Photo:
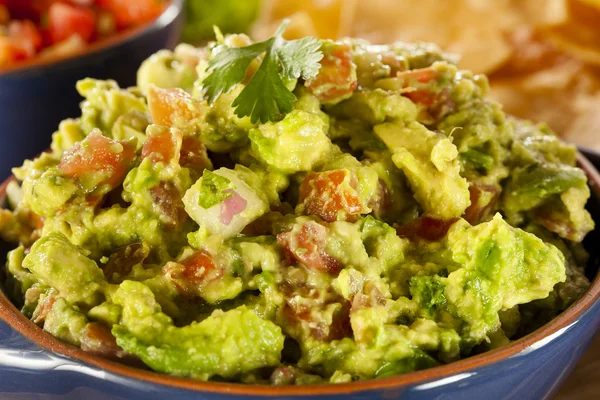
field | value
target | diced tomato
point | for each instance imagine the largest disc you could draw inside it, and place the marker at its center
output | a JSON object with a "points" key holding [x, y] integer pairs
{"points": [[195, 270], [132, 12], [300, 316], [422, 75], [421, 96], [27, 33], [336, 79], [307, 246], [200, 267], [98, 159], [331, 195], [124, 259], [371, 297], [97, 339], [437, 101], [380, 204], [563, 227], [43, 309], [65, 20], [35, 221], [427, 228], [168, 201], [395, 62], [483, 200], [4, 14], [172, 107], [194, 155], [556, 218], [12, 50], [162, 144], [416, 79]]}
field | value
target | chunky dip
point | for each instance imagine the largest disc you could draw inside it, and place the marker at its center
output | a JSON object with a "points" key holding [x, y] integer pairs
{"points": [[296, 212], [56, 28]]}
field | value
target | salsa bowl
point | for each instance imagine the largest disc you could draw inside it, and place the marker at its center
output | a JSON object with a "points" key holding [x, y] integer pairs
{"points": [[36, 95], [32, 362]]}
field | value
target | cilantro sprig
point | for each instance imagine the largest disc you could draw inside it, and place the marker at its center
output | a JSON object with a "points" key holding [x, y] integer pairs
{"points": [[265, 97]]}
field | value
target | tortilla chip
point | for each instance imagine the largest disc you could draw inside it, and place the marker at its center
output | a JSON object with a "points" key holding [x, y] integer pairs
{"points": [[531, 52], [564, 95], [321, 16], [580, 36]]}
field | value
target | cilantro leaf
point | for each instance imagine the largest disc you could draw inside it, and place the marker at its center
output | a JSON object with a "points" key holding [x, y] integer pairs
{"points": [[265, 97], [229, 67], [214, 189], [300, 58]]}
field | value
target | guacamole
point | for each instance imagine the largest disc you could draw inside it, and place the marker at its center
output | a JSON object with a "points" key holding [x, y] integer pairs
{"points": [[393, 220]]}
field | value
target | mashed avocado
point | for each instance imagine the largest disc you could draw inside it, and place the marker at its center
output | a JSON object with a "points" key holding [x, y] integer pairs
{"points": [[394, 220]]}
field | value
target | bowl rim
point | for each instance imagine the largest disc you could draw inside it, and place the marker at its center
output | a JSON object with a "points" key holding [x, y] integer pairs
{"points": [[13, 317], [169, 14]]}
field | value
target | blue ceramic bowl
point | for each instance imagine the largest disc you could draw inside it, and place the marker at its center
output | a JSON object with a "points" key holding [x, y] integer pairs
{"points": [[36, 96], [34, 364]]}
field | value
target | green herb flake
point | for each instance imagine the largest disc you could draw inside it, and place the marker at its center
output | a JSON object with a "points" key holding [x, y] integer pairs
{"points": [[214, 189]]}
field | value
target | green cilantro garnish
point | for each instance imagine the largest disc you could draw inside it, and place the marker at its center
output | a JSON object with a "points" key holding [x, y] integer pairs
{"points": [[265, 97], [213, 189]]}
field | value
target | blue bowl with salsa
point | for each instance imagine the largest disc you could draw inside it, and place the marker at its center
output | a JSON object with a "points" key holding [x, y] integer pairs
{"points": [[36, 95], [33, 364]]}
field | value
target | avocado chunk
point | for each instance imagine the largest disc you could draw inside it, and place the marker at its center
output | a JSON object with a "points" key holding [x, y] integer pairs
{"points": [[225, 344]]}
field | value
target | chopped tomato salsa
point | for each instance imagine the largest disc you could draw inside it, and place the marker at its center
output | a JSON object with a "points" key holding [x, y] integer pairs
{"points": [[32, 28]]}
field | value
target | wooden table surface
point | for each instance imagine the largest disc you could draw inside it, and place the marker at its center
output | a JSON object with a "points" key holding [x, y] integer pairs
{"points": [[584, 382]]}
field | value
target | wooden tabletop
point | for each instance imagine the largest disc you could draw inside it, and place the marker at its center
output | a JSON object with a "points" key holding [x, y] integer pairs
{"points": [[584, 382]]}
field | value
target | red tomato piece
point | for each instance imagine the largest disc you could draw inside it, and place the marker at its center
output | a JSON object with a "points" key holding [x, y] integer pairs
{"points": [[381, 203], [12, 50], [65, 20], [307, 246], [421, 96], [97, 339], [27, 34], [98, 160], [395, 62], [427, 228], [422, 75], [167, 199], [200, 267], [418, 79], [131, 13], [43, 309], [163, 144], [172, 107], [331, 195], [196, 270], [4, 13], [422, 82], [193, 155], [320, 329], [124, 259], [561, 226], [483, 200], [336, 79]]}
